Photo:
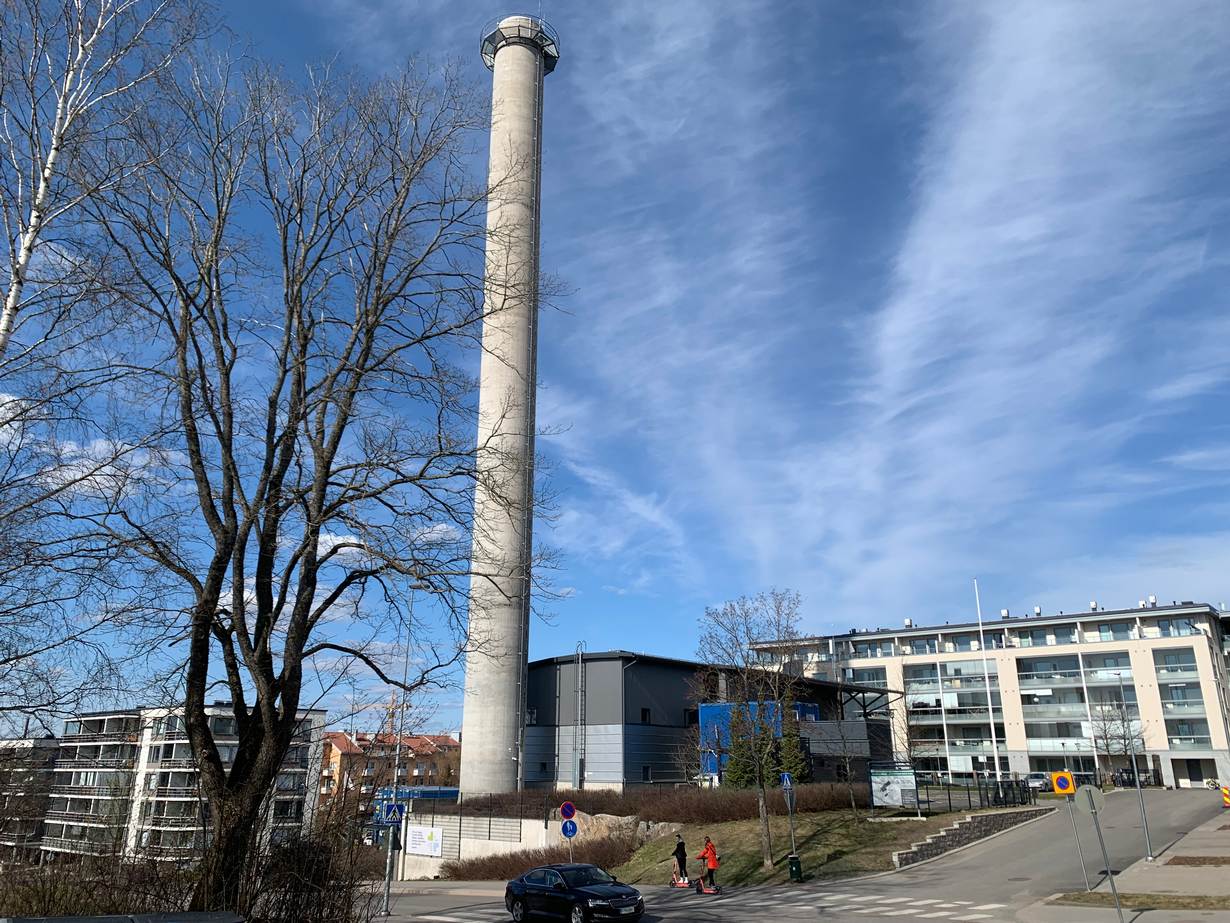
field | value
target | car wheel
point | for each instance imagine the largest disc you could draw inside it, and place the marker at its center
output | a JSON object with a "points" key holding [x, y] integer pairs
{"points": [[577, 915], [517, 910]]}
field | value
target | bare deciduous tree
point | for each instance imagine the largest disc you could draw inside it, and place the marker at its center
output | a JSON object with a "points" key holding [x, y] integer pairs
{"points": [[301, 265], [726, 635]]}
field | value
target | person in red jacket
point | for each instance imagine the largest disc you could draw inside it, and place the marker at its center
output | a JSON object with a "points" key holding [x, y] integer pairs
{"points": [[709, 857]]}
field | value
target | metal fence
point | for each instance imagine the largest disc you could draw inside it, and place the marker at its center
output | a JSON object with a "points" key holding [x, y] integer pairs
{"points": [[975, 795]]}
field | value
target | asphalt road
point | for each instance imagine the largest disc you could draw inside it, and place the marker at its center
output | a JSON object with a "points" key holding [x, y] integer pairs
{"points": [[988, 882]]}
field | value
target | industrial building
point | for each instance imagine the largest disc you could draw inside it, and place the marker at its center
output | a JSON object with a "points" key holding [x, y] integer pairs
{"points": [[640, 717], [124, 782], [1079, 690]]}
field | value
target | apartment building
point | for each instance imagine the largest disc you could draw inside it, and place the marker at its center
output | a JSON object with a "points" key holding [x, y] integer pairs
{"points": [[25, 784], [1081, 690], [358, 766], [124, 782]]}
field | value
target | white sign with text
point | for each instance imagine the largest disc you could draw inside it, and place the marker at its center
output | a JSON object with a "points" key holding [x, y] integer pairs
{"points": [[425, 841]]}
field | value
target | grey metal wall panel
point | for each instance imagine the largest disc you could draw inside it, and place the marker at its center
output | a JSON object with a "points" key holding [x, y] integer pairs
{"points": [[660, 748], [665, 690], [540, 754]]}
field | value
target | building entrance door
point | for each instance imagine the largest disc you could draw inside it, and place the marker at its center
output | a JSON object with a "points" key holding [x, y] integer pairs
{"points": [[1195, 772]]}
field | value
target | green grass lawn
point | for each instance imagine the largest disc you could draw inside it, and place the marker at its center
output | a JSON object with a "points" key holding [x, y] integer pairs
{"points": [[832, 844], [1138, 902]]}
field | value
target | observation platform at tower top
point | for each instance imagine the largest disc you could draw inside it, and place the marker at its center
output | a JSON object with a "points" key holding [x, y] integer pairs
{"points": [[520, 30]]}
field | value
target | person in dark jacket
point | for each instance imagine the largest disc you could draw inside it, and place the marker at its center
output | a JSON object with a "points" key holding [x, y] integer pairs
{"points": [[681, 859]]}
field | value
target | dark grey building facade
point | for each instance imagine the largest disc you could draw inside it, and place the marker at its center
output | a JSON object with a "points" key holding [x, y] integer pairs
{"points": [[615, 719]]}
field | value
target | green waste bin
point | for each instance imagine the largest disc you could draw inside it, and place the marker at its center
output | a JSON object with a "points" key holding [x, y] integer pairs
{"points": [[796, 867]]}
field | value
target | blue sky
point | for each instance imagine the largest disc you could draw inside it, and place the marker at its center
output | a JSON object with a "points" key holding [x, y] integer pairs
{"points": [[868, 299]]}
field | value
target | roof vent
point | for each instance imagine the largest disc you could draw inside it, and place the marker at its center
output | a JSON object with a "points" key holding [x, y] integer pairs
{"points": [[1003, 613], [1152, 601], [1093, 605], [909, 623], [1143, 604], [1037, 610]]}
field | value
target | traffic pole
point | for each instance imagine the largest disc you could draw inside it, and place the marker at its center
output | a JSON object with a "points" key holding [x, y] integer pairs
{"points": [[1110, 873], [1076, 835]]}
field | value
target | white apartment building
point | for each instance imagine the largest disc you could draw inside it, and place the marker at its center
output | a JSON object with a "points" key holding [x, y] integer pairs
{"points": [[1047, 692], [125, 782]]}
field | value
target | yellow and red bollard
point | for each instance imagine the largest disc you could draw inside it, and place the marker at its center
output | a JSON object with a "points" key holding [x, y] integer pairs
{"points": [[1225, 796]]}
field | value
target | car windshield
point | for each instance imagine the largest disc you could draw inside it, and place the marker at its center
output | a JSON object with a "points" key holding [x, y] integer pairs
{"points": [[590, 875]]}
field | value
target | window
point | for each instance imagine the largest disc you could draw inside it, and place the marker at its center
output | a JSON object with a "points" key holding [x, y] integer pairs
{"points": [[553, 879], [646, 773], [691, 717], [536, 877], [646, 716]]}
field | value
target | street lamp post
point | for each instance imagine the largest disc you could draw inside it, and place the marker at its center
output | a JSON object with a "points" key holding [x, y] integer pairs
{"points": [[1144, 819], [401, 722]]}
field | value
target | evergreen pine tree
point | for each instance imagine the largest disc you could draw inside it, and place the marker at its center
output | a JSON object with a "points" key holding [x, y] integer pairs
{"points": [[740, 769], [791, 757]]}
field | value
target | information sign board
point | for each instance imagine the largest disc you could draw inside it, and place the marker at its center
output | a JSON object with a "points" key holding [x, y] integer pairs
{"points": [[893, 788], [425, 841]]}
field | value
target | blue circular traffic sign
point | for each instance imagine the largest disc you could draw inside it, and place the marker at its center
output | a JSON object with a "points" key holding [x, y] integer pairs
{"points": [[567, 810], [569, 828]]}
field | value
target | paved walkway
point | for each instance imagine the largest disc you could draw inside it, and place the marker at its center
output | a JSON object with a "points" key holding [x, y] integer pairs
{"points": [[1211, 838]]}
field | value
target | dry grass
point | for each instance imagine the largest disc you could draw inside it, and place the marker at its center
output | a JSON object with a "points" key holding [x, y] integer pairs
{"points": [[1199, 860], [832, 844], [1139, 902]]}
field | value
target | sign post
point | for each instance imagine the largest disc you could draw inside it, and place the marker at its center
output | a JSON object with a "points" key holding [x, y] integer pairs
{"points": [[1064, 784], [569, 830], [1090, 800]]}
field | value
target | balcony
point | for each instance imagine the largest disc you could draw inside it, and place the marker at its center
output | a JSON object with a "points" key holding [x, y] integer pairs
{"points": [[1178, 708], [174, 764], [84, 847], [110, 737], [171, 852], [1055, 710], [922, 685], [1191, 743], [82, 817], [155, 822], [1052, 678], [125, 763], [1107, 675], [1181, 673], [175, 791], [1058, 745], [963, 745], [109, 791]]}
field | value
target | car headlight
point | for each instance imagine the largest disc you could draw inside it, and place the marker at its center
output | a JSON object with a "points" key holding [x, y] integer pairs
{"points": [[596, 902]]}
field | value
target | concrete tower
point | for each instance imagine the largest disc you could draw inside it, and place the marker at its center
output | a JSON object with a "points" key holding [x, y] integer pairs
{"points": [[521, 51]]}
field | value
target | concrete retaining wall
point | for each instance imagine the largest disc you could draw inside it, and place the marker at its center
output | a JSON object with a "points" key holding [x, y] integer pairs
{"points": [[970, 829]]}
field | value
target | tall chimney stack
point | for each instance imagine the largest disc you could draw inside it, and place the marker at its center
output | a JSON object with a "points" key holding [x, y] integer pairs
{"points": [[520, 51]]}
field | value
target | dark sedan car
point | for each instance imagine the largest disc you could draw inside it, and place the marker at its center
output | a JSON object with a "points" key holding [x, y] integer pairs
{"points": [[578, 893]]}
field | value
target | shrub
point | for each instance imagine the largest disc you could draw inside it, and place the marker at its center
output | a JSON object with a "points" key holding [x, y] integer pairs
{"points": [[657, 804], [608, 853]]}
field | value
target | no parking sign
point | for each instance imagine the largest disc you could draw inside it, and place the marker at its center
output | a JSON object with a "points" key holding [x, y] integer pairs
{"points": [[1063, 783]]}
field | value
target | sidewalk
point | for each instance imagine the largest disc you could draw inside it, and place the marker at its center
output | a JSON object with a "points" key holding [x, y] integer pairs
{"points": [[451, 888], [1161, 876]]}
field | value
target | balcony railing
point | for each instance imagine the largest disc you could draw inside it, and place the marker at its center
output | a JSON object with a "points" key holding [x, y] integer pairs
{"points": [[171, 852], [89, 763], [971, 746], [175, 791], [111, 791], [1191, 743], [156, 821], [1185, 672], [80, 846], [84, 817], [1055, 710], [1059, 745], [174, 764], [1050, 678], [121, 736], [1099, 675], [1183, 708]]}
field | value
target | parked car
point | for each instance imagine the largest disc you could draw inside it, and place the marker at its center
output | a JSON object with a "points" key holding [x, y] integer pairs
{"points": [[577, 893], [1041, 781]]}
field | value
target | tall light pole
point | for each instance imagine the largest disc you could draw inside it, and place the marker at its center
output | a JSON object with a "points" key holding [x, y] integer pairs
{"points": [[1144, 818], [401, 729], [986, 678]]}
